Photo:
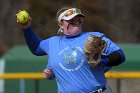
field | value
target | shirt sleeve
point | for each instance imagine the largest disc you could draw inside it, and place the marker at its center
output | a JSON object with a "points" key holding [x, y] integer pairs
{"points": [[110, 45], [44, 46]]}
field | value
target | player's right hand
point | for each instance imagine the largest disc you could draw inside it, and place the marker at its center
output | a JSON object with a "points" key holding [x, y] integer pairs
{"points": [[25, 25], [23, 19], [47, 73]]}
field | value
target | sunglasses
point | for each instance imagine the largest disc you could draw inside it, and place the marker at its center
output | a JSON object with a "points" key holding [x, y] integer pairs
{"points": [[72, 11]]}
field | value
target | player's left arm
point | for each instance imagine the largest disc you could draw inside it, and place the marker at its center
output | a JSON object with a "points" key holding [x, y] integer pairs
{"points": [[113, 54], [107, 68]]}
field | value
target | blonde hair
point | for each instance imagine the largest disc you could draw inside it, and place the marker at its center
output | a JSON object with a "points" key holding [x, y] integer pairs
{"points": [[60, 30]]}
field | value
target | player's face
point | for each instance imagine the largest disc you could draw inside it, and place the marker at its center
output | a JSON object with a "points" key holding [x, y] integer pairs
{"points": [[72, 27]]}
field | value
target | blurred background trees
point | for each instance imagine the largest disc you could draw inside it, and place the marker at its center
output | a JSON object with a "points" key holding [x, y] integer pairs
{"points": [[118, 19]]}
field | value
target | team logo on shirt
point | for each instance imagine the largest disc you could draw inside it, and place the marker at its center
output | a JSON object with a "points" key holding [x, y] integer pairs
{"points": [[71, 58]]}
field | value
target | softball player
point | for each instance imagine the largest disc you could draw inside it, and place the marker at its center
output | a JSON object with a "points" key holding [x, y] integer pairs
{"points": [[66, 59]]}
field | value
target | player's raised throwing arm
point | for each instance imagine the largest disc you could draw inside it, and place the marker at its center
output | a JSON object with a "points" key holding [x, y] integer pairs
{"points": [[32, 40]]}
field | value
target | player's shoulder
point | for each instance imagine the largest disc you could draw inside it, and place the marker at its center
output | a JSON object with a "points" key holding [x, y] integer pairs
{"points": [[51, 39], [55, 37], [94, 33]]}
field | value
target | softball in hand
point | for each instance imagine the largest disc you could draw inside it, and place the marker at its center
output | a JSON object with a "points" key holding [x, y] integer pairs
{"points": [[22, 17]]}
